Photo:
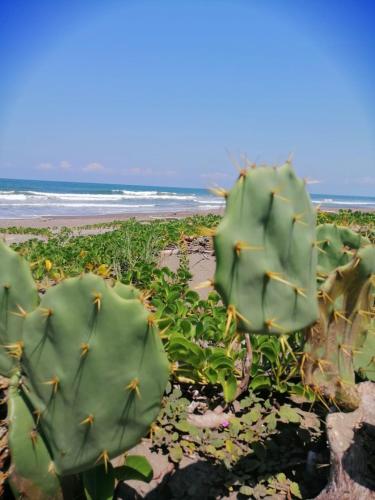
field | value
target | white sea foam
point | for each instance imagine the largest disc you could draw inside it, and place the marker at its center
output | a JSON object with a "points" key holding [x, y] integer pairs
{"points": [[79, 205], [11, 197], [125, 195], [330, 201], [209, 207], [212, 202]]}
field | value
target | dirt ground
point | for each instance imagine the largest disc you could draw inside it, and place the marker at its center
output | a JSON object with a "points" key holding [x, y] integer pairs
{"points": [[201, 262]]}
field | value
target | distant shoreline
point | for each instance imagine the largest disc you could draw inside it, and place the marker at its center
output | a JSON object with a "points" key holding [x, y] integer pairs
{"points": [[85, 220], [48, 203]]}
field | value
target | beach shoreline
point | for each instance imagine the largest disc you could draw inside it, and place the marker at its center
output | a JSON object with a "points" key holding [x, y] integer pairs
{"points": [[54, 221], [86, 220]]}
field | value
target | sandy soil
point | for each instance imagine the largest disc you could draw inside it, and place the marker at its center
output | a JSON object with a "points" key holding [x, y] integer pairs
{"points": [[201, 263]]}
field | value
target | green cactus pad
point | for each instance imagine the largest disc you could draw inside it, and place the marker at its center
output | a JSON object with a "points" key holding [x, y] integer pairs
{"points": [[96, 370], [18, 294], [32, 470], [265, 250], [364, 357], [337, 246], [345, 303], [127, 292]]}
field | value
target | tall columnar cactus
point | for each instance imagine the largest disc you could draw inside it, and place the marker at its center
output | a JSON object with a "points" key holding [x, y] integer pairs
{"points": [[265, 250], [31, 474], [345, 304], [96, 372], [18, 295], [337, 245]]}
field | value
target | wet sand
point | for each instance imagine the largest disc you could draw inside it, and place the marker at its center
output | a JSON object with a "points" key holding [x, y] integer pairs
{"points": [[85, 220]]}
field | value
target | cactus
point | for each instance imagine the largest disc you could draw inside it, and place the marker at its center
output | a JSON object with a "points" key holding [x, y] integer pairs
{"points": [[128, 292], [265, 250], [364, 356], [96, 372], [345, 301], [18, 295], [336, 247], [32, 469]]}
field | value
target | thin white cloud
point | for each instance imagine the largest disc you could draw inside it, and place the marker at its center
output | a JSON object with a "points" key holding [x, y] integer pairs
{"points": [[65, 165], [45, 167], [309, 181], [94, 167]]}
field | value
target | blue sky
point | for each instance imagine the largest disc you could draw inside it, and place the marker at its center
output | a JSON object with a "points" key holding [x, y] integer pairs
{"points": [[166, 92]]}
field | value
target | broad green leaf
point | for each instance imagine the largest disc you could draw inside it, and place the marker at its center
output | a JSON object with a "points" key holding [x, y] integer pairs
{"points": [[271, 421], [289, 414], [136, 467], [218, 360], [294, 489], [253, 416], [260, 382], [185, 326], [229, 386], [185, 427], [99, 482], [268, 351], [212, 375], [176, 453]]}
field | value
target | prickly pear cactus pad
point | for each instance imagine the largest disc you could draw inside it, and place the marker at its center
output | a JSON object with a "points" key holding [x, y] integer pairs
{"points": [[18, 295], [364, 355], [32, 470], [126, 291], [265, 250], [337, 246], [96, 370], [346, 312]]}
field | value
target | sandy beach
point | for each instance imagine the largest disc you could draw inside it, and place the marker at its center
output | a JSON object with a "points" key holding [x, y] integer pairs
{"points": [[200, 251], [85, 220]]}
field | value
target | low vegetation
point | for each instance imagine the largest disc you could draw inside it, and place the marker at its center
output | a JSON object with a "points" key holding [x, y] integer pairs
{"points": [[247, 395]]}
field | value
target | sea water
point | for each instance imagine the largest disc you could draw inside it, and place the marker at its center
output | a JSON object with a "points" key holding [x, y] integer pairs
{"points": [[33, 198]]}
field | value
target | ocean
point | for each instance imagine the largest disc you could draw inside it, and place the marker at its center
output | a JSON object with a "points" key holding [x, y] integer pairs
{"points": [[32, 198]]}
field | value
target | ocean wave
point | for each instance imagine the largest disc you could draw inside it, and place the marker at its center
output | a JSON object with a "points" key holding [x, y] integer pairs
{"points": [[125, 195], [209, 207], [140, 193], [212, 202], [81, 205], [11, 197], [330, 201]]}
